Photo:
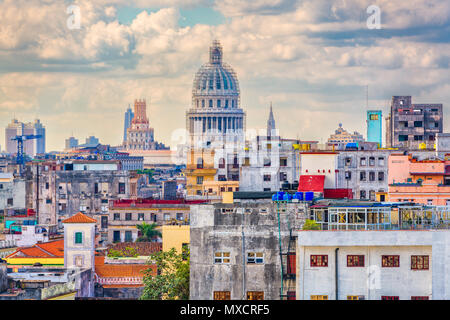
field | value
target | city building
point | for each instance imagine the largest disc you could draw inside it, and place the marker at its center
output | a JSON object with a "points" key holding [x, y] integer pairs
{"points": [[342, 137], [71, 143], [374, 126], [57, 189], [177, 237], [139, 133], [12, 191], [413, 126], [244, 250], [119, 224], [373, 265], [365, 172], [30, 147], [419, 181], [128, 117], [215, 124]]}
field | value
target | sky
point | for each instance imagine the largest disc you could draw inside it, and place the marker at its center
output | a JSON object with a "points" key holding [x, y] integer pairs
{"points": [[311, 58]]}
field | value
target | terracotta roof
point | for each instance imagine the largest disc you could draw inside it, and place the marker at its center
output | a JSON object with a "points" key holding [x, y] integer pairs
{"points": [[142, 248], [79, 218], [51, 249], [122, 270], [99, 261], [122, 285]]}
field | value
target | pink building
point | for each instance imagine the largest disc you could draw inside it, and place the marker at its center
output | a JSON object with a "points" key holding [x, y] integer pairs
{"points": [[426, 181]]}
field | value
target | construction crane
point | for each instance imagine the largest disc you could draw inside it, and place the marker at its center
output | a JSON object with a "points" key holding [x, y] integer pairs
{"points": [[20, 139]]}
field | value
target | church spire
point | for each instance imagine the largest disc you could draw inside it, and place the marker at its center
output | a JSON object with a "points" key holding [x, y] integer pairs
{"points": [[271, 122]]}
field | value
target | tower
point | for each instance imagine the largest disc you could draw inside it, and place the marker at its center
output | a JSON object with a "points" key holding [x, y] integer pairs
{"points": [[79, 242], [139, 134], [374, 126], [127, 122], [215, 124], [271, 123]]}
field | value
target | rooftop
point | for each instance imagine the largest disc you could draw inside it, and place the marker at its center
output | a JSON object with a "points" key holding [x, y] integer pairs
{"points": [[79, 218]]}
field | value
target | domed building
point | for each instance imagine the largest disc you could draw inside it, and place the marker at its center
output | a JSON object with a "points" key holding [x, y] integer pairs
{"points": [[215, 113], [215, 123]]}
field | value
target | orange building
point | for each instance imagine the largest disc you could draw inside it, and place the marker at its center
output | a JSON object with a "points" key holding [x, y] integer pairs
{"points": [[424, 181]]}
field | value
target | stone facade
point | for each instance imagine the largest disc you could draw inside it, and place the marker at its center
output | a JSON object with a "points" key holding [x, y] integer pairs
{"points": [[223, 239]]}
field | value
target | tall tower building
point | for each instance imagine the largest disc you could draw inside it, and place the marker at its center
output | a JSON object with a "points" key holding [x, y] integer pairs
{"points": [[215, 123], [374, 126], [139, 134], [271, 123], [39, 129], [127, 122]]}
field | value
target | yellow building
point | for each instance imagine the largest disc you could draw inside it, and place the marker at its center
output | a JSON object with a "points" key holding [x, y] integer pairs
{"points": [[175, 237], [217, 188], [199, 169]]}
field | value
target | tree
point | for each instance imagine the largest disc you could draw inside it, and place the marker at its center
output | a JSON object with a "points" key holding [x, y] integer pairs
{"points": [[311, 225], [171, 281], [148, 232]]}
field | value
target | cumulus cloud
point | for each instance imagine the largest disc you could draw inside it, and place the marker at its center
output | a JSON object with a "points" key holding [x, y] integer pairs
{"points": [[312, 59]]}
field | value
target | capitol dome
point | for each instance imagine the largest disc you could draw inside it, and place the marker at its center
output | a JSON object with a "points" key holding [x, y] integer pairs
{"points": [[215, 83]]}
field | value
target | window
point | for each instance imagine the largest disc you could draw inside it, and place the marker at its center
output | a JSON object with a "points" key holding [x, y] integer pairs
{"points": [[166, 216], [199, 163], [319, 297], [363, 161], [266, 162], [381, 176], [319, 260], [255, 295], [362, 194], [362, 176], [116, 236], [371, 176], [78, 237], [267, 177], [372, 161], [283, 162], [180, 216], [420, 298], [355, 260], [420, 262], [418, 138], [348, 175], [104, 222], [348, 161], [10, 201], [381, 161], [140, 217], [430, 201], [210, 103], [128, 236], [222, 257], [390, 261], [403, 137], [221, 163], [121, 188], [255, 257], [283, 176], [116, 216], [356, 298], [418, 124], [222, 295], [389, 298], [78, 261], [128, 216], [199, 180]]}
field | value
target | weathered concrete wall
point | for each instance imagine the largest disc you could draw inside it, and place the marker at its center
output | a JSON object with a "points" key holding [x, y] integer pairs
{"points": [[3, 277], [249, 227], [15, 189]]}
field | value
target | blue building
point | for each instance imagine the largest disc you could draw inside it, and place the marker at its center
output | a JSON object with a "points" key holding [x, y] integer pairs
{"points": [[374, 126], [129, 115]]}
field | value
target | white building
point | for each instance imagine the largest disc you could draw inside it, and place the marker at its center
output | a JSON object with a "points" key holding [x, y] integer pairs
{"points": [[373, 265], [320, 164]]}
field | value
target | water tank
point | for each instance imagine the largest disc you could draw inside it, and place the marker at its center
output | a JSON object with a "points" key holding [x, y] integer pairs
{"points": [[280, 195], [274, 197], [298, 196], [287, 197], [309, 196]]}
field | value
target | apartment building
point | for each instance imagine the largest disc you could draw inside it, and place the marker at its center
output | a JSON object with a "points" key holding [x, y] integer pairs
{"points": [[413, 126]]}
